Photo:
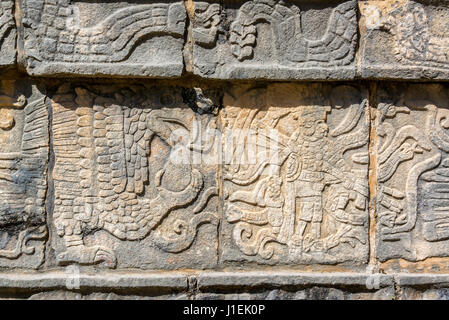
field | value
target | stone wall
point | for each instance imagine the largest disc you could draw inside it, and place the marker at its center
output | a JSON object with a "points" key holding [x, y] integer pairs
{"points": [[227, 149]]}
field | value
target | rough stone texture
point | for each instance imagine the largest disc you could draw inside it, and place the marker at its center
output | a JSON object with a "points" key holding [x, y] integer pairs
{"points": [[69, 295], [312, 293], [405, 39], [121, 195], [293, 285], [116, 38], [412, 171], [258, 279], [234, 177], [415, 287], [270, 39], [199, 286], [7, 33], [23, 167], [300, 195]]}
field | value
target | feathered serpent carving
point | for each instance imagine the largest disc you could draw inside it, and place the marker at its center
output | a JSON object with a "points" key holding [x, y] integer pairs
{"points": [[336, 46]]}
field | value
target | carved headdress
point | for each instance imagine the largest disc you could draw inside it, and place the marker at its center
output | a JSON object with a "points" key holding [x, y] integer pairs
{"points": [[312, 114]]}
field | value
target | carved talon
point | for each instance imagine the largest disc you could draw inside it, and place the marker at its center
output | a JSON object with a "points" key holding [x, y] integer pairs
{"points": [[158, 177], [21, 101], [233, 214], [87, 255]]}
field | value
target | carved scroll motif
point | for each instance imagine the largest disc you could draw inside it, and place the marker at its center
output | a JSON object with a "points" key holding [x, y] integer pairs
{"points": [[74, 37], [412, 211], [416, 41], [304, 198], [23, 185], [104, 180], [270, 39]]}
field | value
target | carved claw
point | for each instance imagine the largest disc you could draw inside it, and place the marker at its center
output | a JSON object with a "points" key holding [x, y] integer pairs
{"points": [[7, 101], [233, 214], [158, 177], [87, 256], [21, 102]]}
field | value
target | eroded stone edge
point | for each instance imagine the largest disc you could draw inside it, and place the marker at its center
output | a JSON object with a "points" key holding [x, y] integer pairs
{"points": [[59, 280], [193, 283], [181, 280]]}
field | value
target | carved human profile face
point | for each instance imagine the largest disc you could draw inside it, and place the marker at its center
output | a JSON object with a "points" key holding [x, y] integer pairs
{"points": [[315, 130], [309, 127], [321, 129]]}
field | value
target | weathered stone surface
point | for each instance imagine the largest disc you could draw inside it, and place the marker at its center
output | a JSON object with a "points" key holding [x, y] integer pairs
{"points": [[271, 39], [236, 176], [120, 281], [69, 295], [408, 293], [7, 33], [406, 39], [116, 38], [313, 293], [412, 171], [295, 175], [268, 285], [226, 285], [23, 167], [286, 279], [126, 193], [200, 285], [419, 287]]}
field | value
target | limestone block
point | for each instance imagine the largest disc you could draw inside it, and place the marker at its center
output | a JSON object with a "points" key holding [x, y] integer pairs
{"points": [[7, 33], [423, 287], [23, 167], [127, 195], [412, 171], [311, 293], [114, 38], [271, 39], [203, 285], [295, 175], [268, 285], [406, 39]]}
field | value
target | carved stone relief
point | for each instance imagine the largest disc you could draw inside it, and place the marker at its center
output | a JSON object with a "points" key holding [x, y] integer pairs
{"points": [[7, 33], [295, 175], [124, 196], [270, 157], [274, 39], [23, 168], [137, 38], [412, 172], [405, 39]]}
